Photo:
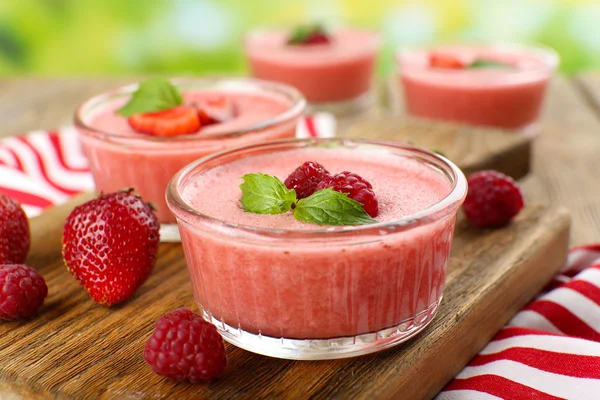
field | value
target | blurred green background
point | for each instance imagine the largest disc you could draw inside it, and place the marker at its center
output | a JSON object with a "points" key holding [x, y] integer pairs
{"points": [[118, 37]]}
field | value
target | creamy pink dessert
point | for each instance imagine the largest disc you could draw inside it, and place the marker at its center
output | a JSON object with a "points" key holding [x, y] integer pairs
{"points": [[120, 157], [277, 277], [500, 86], [337, 71]]}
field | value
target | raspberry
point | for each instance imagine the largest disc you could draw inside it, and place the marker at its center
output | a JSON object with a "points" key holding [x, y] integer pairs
{"points": [[22, 291], [358, 189], [317, 38], [185, 347], [493, 199], [305, 178]]}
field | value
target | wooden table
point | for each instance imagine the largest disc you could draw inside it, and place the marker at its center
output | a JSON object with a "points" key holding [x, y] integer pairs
{"points": [[566, 166]]}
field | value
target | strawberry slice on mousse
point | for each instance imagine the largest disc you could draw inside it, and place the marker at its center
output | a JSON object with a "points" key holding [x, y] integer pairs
{"points": [[183, 120], [439, 60], [180, 120]]}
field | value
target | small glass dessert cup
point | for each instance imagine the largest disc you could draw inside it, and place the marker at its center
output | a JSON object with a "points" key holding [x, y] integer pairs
{"points": [[289, 289], [336, 77], [121, 158], [496, 85]]}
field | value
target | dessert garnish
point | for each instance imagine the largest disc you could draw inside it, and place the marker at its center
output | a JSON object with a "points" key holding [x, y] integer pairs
{"points": [[343, 199], [186, 348], [305, 178], [22, 291], [14, 232], [110, 245], [493, 199], [309, 35], [152, 95], [437, 60], [447, 61], [483, 63], [357, 188], [215, 110], [157, 108], [175, 121]]}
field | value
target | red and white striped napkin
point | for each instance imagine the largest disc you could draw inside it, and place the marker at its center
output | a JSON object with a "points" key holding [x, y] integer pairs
{"points": [[549, 350]]}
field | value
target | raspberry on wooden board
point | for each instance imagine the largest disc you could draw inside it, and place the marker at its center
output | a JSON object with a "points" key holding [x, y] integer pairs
{"points": [[493, 199], [185, 347], [22, 291]]}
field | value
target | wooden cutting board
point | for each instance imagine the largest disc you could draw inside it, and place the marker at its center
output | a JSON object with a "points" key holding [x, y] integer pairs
{"points": [[77, 349]]}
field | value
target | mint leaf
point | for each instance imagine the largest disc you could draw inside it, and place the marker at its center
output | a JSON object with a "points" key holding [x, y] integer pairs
{"points": [[154, 94], [266, 194], [489, 64], [328, 207]]}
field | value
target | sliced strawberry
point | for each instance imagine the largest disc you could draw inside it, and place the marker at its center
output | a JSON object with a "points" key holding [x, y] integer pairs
{"points": [[215, 110], [445, 61], [206, 119], [176, 121]]}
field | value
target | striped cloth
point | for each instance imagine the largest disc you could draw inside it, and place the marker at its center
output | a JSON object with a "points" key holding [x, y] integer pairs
{"points": [[549, 350]]}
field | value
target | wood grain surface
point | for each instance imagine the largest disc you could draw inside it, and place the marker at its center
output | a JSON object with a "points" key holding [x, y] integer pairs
{"points": [[565, 161], [77, 349]]}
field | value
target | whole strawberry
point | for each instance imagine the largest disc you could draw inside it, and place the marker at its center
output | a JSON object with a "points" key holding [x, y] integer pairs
{"points": [[14, 232], [493, 199], [110, 245], [185, 347], [22, 291]]}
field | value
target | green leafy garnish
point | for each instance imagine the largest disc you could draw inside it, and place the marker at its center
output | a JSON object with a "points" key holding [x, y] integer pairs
{"points": [[489, 64], [266, 194], [303, 33], [328, 207], [154, 94]]}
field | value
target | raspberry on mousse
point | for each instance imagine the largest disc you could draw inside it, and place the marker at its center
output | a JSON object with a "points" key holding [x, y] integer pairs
{"points": [[305, 179], [357, 188]]}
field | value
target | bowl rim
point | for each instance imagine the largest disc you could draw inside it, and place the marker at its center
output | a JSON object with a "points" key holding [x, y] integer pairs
{"points": [[446, 206], [549, 57], [297, 107]]}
